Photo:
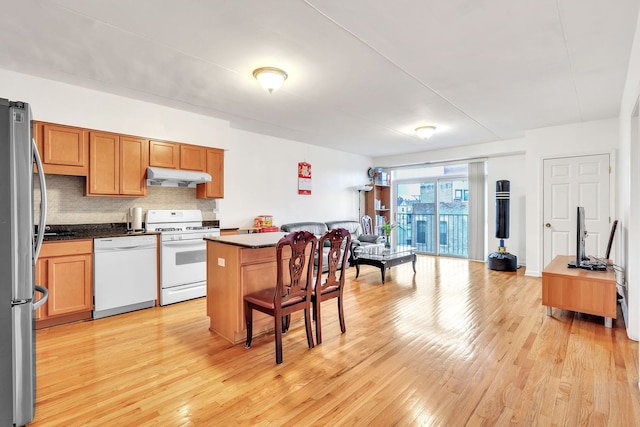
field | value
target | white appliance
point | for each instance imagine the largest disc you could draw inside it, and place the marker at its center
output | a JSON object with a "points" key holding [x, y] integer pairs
{"points": [[183, 253], [18, 255], [176, 177], [124, 274]]}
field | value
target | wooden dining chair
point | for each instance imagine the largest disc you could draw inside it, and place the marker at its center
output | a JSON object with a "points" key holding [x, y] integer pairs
{"points": [[292, 290], [331, 284]]}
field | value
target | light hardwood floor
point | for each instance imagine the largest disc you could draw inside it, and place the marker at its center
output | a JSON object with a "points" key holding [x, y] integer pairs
{"points": [[454, 345]]}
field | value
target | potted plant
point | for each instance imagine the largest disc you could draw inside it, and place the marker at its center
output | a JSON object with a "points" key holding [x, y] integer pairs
{"points": [[387, 227]]}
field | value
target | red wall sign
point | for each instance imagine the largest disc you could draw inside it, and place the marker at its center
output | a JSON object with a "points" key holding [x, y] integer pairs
{"points": [[304, 178]]}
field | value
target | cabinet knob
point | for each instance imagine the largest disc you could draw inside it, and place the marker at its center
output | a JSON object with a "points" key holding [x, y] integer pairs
{"points": [[547, 225]]}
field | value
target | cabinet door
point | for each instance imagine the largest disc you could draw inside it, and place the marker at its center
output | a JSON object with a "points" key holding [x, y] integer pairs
{"points": [[215, 168], [104, 170], [164, 154], [37, 136], [69, 283], [64, 149], [193, 157], [41, 279], [134, 159]]}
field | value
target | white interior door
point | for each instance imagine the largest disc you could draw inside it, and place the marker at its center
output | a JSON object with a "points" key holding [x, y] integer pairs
{"points": [[570, 182]]}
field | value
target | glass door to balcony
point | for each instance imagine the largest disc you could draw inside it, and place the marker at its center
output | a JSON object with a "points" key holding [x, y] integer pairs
{"points": [[453, 215], [432, 216], [415, 214]]}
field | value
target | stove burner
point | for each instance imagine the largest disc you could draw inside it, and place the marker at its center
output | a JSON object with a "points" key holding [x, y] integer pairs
{"points": [[203, 227], [169, 229]]}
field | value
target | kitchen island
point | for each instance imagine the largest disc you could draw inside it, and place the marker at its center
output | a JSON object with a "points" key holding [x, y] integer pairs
{"points": [[236, 266]]}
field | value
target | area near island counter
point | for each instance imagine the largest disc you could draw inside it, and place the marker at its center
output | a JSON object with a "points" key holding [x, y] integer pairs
{"points": [[236, 266]]}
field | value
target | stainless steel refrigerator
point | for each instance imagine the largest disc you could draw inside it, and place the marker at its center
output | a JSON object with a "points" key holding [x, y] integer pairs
{"points": [[19, 248]]}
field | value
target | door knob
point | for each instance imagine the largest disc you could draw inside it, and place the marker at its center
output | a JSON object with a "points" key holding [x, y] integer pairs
{"points": [[547, 225]]}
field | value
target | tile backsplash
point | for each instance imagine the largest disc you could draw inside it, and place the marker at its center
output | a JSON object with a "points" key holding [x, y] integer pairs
{"points": [[67, 203]]}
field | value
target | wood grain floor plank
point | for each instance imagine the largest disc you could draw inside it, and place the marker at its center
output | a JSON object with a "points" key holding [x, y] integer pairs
{"points": [[453, 345]]}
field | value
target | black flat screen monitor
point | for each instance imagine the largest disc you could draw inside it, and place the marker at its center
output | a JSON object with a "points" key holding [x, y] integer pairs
{"points": [[582, 260], [581, 234]]}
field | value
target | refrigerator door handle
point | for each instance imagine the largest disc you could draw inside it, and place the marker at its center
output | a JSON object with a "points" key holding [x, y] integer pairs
{"points": [[43, 201], [45, 296]]}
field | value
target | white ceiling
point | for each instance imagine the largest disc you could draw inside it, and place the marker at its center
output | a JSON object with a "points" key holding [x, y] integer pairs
{"points": [[362, 74]]}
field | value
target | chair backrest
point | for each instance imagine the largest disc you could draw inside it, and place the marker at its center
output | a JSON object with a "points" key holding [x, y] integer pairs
{"points": [[367, 225], [339, 243], [352, 226], [317, 228], [295, 281], [613, 232]]}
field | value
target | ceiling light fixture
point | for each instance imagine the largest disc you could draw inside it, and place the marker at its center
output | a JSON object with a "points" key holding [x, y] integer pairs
{"points": [[425, 132], [270, 78]]}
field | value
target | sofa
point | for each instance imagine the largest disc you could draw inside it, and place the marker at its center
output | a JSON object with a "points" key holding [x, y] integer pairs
{"points": [[319, 228], [357, 237]]}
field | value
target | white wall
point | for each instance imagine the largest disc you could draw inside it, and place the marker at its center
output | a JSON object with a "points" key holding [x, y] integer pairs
{"points": [[505, 160], [520, 161], [595, 137], [260, 171], [509, 168], [265, 180], [490, 149], [628, 176]]}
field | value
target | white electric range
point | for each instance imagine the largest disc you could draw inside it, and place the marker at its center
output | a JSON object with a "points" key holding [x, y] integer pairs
{"points": [[183, 253]]}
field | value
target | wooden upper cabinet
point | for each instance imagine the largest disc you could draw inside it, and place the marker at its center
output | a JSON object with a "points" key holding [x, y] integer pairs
{"points": [[64, 149], [193, 157], [164, 154], [104, 164], [134, 160], [118, 165], [215, 168]]}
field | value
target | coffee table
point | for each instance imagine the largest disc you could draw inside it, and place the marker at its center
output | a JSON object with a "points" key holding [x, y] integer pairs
{"points": [[383, 258]]}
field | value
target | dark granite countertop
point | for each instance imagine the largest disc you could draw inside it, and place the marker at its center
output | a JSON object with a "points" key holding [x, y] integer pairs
{"points": [[89, 231], [253, 241]]}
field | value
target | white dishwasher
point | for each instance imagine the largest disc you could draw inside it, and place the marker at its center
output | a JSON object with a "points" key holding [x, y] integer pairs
{"points": [[125, 274]]}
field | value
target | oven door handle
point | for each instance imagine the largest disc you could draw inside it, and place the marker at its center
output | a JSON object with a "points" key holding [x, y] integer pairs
{"points": [[183, 243]]}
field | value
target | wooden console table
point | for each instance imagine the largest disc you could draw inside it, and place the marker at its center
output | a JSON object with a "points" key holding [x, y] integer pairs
{"points": [[575, 289]]}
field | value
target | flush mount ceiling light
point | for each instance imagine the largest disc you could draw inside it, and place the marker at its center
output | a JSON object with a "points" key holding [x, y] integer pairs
{"points": [[425, 132], [270, 78]]}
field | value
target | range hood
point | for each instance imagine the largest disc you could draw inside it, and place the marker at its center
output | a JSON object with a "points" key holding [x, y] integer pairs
{"points": [[161, 177]]}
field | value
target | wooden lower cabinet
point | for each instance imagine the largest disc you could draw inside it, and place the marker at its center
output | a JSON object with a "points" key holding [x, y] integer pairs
{"points": [[65, 269], [244, 271], [232, 273]]}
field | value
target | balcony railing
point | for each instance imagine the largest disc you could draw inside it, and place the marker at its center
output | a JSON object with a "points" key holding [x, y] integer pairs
{"points": [[419, 231]]}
